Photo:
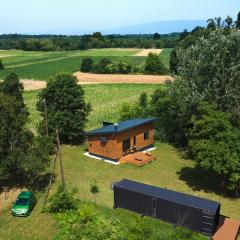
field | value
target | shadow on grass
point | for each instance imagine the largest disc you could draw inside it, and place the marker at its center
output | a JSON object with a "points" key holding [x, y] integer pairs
{"points": [[40, 183], [198, 179]]}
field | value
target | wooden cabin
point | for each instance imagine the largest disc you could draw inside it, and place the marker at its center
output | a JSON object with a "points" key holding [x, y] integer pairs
{"points": [[116, 140]]}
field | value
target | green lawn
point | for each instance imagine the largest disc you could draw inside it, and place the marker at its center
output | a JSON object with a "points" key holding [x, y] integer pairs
{"points": [[45, 65], [171, 170]]}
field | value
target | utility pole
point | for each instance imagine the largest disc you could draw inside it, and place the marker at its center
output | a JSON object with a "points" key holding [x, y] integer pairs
{"points": [[57, 155], [51, 178], [46, 117], [60, 157]]}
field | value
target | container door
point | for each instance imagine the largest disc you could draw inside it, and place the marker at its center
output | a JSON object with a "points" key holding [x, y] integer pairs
{"points": [[154, 207]]}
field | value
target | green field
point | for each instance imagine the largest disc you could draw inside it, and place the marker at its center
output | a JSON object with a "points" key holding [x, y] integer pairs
{"points": [[45, 65], [111, 95]]}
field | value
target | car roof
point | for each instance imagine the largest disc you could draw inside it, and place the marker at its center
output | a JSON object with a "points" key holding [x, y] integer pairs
{"points": [[25, 194]]}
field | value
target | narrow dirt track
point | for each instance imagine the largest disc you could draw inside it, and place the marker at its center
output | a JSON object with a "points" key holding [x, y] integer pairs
{"points": [[145, 52], [88, 78], [30, 85]]}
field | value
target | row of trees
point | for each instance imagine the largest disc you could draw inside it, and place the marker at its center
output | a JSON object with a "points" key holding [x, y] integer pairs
{"points": [[200, 110], [96, 40], [153, 65], [104, 66]]}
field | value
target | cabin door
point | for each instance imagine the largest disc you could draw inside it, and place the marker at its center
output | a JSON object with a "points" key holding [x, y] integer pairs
{"points": [[154, 207], [126, 147]]}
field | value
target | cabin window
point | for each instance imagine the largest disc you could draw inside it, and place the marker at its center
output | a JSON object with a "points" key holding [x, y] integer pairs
{"points": [[146, 135]]}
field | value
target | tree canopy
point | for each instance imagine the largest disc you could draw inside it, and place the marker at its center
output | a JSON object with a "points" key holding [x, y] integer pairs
{"points": [[67, 109]]}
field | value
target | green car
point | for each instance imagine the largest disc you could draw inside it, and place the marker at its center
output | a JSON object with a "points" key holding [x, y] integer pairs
{"points": [[24, 204]]}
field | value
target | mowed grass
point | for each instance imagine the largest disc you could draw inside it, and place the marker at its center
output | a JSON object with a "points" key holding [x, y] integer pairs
{"points": [[80, 171], [46, 65], [105, 99]]}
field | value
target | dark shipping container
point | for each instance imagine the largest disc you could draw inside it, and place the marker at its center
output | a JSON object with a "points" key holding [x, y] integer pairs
{"points": [[197, 214]]}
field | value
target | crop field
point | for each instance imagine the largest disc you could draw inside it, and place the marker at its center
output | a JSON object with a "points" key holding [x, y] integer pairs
{"points": [[45, 65], [106, 109]]}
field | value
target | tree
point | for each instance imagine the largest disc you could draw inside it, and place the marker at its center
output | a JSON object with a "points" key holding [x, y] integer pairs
{"points": [[101, 67], [87, 65], [215, 144], [94, 189], [154, 65], [22, 157], [67, 109], [156, 36], [61, 201], [209, 71], [228, 22], [238, 21], [143, 100], [184, 34], [124, 67], [1, 65], [11, 86], [98, 35]]}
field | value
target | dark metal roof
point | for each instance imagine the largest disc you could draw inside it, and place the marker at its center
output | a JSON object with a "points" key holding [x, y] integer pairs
{"points": [[172, 196], [122, 126]]}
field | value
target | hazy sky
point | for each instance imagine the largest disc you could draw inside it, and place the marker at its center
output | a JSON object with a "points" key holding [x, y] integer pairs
{"points": [[46, 16]]}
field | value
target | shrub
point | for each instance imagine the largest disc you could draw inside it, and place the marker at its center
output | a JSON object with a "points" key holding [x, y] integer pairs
{"points": [[112, 68], [87, 65], [61, 201], [87, 223], [183, 234], [94, 189], [1, 65], [124, 67], [154, 65], [101, 67]]}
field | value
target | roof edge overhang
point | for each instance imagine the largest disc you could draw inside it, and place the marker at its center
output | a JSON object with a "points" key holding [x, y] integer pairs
{"points": [[120, 131]]}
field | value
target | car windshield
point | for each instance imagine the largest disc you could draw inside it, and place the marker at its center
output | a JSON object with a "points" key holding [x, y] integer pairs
{"points": [[22, 201]]}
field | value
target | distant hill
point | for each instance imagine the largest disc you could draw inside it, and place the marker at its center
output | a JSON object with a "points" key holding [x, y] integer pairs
{"points": [[160, 27]]}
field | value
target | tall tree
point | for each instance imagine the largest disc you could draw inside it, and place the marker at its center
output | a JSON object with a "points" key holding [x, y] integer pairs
{"points": [[215, 144], [156, 36], [12, 86], [238, 21], [154, 65], [22, 157], [67, 109]]}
